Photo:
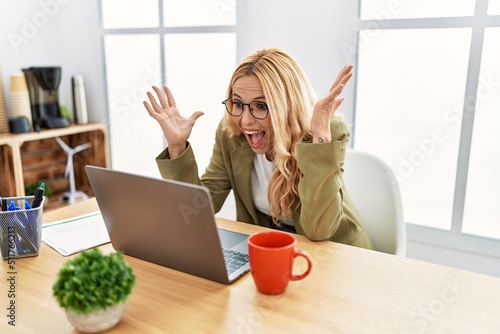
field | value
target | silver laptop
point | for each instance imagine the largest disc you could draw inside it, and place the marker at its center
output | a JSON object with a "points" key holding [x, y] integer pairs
{"points": [[168, 222]]}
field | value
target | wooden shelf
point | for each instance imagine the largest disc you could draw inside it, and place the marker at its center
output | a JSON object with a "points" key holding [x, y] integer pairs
{"points": [[36, 157]]}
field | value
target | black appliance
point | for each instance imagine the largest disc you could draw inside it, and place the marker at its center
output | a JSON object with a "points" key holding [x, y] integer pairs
{"points": [[43, 84]]}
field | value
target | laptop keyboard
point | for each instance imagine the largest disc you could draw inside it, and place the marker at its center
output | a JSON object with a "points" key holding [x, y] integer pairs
{"points": [[234, 260]]}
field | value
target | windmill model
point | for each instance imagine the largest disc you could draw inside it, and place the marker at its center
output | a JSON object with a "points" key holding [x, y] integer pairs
{"points": [[72, 196]]}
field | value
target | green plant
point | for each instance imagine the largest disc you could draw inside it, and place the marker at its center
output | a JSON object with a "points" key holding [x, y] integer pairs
{"points": [[92, 281], [30, 189]]}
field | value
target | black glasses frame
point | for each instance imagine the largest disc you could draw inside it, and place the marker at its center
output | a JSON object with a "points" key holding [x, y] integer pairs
{"points": [[243, 108]]}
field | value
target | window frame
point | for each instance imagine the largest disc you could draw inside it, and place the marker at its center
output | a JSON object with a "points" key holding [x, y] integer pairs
{"points": [[162, 32]]}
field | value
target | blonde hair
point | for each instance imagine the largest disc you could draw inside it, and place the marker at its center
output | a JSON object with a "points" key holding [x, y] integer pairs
{"points": [[290, 99]]}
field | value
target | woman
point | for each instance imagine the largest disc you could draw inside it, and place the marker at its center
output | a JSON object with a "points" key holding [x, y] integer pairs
{"points": [[279, 150]]}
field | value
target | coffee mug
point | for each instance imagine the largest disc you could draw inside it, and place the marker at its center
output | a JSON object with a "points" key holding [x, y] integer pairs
{"points": [[271, 256]]}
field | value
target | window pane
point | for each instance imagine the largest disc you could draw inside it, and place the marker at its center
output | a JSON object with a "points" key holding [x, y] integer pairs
{"points": [[199, 82], [494, 7], [199, 13], [390, 9], [132, 67], [129, 14], [482, 210], [409, 100]]}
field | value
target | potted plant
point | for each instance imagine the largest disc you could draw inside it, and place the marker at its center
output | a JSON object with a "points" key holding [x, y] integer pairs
{"points": [[93, 288], [30, 190]]}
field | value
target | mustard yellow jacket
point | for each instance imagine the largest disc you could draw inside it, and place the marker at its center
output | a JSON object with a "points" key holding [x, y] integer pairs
{"points": [[325, 211]]}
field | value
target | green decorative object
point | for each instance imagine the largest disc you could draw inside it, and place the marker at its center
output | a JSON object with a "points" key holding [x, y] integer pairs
{"points": [[30, 189], [93, 283], [64, 111]]}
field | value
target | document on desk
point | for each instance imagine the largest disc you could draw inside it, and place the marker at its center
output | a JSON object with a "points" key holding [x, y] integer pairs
{"points": [[70, 236]]}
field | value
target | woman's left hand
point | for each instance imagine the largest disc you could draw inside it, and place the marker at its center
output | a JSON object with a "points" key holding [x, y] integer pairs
{"points": [[325, 108]]}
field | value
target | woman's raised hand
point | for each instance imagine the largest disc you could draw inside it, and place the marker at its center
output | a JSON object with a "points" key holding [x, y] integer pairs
{"points": [[325, 108], [176, 128]]}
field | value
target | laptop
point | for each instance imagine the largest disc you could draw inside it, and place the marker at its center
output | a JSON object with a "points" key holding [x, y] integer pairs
{"points": [[169, 223]]}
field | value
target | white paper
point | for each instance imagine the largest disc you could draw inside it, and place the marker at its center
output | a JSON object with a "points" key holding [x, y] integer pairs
{"points": [[70, 236]]}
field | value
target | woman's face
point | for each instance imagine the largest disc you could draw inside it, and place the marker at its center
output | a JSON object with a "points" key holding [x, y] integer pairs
{"points": [[259, 132]]}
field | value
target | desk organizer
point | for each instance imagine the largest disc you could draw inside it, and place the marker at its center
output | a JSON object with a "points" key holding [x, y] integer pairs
{"points": [[21, 229]]}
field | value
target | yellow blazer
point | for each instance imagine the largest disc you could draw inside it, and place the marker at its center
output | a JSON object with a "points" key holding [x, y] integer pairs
{"points": [[325, 211]]}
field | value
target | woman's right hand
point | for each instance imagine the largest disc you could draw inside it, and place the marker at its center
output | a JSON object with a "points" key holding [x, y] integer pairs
{"points": [[176, 128]]}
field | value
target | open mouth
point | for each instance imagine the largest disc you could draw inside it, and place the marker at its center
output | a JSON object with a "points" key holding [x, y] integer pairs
{"points": [[255, 138]]}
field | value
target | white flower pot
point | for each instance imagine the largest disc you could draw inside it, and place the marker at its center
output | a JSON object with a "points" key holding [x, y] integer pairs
{"points": [[97, 321]]}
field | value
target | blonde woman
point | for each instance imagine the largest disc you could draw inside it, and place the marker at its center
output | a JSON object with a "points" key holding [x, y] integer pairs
{"points": [[279, 149]]}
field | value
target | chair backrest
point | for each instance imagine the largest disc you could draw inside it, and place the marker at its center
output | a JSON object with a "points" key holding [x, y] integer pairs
{"points": [[374, 189]]}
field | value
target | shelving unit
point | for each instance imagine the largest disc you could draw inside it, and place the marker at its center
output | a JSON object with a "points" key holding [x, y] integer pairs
{"points": [[37, 157]]}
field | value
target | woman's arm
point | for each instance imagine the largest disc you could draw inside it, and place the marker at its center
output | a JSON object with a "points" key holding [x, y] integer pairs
{"points": [[184, 168], [320, 189]]}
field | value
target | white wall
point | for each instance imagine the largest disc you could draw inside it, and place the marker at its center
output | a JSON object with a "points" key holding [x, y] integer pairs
{"points": [[54, 33], [312, 31], [452, 257]]}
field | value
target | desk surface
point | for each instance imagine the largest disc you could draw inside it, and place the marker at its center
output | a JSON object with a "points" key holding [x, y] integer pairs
{"points": [[350, 290]]}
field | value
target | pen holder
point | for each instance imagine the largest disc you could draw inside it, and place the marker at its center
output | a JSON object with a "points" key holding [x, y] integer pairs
{"points": [[20, 230]]}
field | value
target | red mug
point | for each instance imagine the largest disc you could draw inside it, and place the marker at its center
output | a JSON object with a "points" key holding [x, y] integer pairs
{"points": [[271, 256]]}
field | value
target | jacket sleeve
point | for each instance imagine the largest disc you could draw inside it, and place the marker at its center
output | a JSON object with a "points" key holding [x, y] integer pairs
{"points": [[320, 189], [184, 168]]}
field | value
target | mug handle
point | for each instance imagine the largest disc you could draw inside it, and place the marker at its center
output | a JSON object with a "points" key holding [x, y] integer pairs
{"points": [[308, 258]]}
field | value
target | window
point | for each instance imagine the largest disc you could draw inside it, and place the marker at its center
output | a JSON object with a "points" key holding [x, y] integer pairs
{"points": [[411, 9], [482, 214], [428, 102], [188, 45]]}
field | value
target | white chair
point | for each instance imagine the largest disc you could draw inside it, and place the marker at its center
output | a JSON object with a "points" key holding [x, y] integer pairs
{"points": [[374, 189]]}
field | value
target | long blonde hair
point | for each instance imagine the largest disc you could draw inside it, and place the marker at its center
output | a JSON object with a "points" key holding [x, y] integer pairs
{"points": [[290, 99]]}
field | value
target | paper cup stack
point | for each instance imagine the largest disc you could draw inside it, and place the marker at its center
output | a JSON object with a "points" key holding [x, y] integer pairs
{"points": [[4, 118], [19, 97]]}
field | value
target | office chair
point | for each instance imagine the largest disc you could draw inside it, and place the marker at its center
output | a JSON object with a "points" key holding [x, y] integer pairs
{"points": [[374, 189]]}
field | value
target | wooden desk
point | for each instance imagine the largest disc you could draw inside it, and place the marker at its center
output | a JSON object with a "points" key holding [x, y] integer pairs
{"points": [[349, 290]]}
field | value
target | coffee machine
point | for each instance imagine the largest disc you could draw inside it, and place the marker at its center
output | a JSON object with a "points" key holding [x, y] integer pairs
{"points": [[43, 84]]}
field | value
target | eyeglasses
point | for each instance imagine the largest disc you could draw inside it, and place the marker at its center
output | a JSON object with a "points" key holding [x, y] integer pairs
{"points": [[235, 108]]}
